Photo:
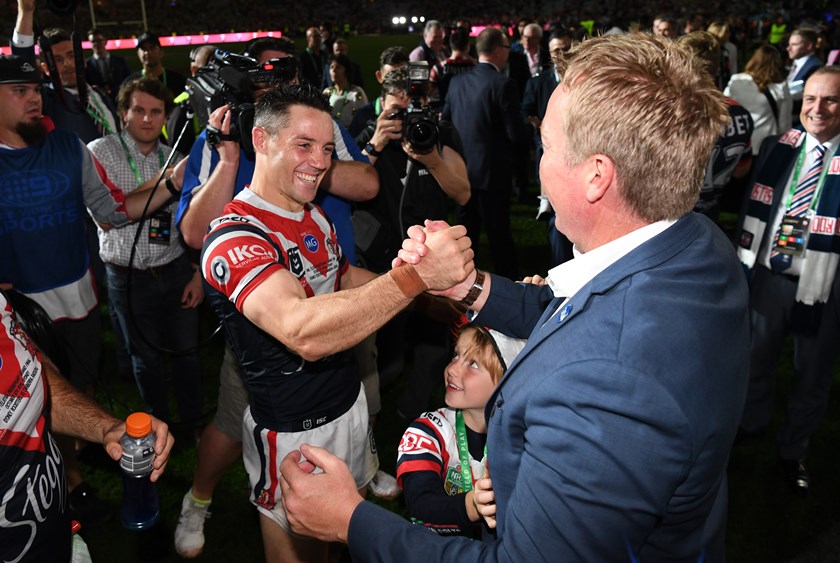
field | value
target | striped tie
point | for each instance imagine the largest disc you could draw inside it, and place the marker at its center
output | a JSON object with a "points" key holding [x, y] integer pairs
{"points": [[799, 205]]}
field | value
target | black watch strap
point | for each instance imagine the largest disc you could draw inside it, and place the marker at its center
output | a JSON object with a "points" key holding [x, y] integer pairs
{"points": [[371, 150]]}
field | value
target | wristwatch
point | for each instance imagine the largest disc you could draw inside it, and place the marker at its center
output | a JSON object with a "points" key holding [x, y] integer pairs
{"points": [[475, 290], [371, 150]]}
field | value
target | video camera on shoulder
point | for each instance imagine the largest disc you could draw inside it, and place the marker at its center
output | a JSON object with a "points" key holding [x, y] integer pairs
{"points": [[420, 123], [230, 79]]}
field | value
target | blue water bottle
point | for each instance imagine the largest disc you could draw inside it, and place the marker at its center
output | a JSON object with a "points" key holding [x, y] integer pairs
{"points": [[140, 507]]}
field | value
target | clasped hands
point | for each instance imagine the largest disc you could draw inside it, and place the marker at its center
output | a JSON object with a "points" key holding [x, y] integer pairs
{"points": [[442, 255]]}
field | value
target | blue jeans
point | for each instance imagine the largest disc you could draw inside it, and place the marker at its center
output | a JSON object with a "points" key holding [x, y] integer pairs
{"points": [[157, 314]]}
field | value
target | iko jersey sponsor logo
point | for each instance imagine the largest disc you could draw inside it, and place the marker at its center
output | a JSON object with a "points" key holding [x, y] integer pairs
{"points": [[311, 243], [295, 262], [834, 166], [825, 226], [244, 252], [33, 187]]}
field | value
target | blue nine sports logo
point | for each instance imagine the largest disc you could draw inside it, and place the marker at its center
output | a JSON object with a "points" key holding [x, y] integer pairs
{"points": [[311, 243]]}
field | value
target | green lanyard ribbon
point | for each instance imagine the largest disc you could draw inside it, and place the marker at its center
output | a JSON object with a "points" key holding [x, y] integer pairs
{"points": [[131, 163], [464, 452]]}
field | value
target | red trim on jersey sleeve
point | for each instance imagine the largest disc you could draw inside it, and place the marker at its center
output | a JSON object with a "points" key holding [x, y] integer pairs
{"points": [[237, 262], [116, 194]]}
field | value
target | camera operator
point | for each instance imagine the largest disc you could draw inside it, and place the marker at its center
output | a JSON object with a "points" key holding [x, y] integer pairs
{"points": [[214, 175], [414, 186]]}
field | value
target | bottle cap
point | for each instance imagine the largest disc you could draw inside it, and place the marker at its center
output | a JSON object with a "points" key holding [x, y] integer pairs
{"points": [[138, 424]]}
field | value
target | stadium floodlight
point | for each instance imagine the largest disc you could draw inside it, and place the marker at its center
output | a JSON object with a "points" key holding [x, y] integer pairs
{"points": [[395, 20]]}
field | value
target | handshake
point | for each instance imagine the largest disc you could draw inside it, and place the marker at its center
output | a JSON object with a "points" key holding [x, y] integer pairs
{"points": [[437, 258]]}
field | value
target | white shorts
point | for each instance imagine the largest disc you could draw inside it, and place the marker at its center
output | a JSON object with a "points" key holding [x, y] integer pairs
{"points": [[349, 437]]}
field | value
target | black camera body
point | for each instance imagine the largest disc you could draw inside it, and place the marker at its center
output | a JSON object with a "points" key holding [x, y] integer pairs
{"points": [[420, 122], [229, 78]]}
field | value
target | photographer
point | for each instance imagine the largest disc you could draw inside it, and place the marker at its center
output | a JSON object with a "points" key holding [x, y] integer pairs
{"points": [[414, 185]]}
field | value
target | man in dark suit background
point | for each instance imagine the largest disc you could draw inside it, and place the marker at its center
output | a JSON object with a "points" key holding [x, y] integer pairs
{"points": [[104, 69], [801, 48], [484, 107], [538, 91], [605, 443]]}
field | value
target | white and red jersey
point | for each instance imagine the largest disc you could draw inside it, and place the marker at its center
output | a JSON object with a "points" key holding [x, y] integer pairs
{"points": [[430, 444], [33, 521], [246, 245], [254, 238]]}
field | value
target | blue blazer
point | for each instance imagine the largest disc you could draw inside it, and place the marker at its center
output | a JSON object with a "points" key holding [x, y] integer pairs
{"points": [[811, 64], [483, 105], [609, 436], [538, 91]]}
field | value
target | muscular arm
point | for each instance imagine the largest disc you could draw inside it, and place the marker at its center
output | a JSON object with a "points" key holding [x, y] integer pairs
{"points": [[426, 500], [75, 414], [317, 326]]}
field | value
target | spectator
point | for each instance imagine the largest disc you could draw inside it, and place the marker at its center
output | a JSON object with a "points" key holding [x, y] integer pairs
{"points": [[391, 59], [444, 452], [150, 54], [801, 49], [763, 91], [534, 105], [793, 266], [664, 26], [311, 58], [431, 48], [728, 52], [354, 71], [457, 63], [536, 53], [483, 105], [103, 68], [732, 154], [345, 97], [155, 295]]}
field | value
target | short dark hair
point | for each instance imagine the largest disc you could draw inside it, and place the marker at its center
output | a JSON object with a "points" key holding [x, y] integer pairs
{"points": [[256, 47], [488, 40], [148, 85], [56, 35], [459, 39], [343, 61], [394, 82], [95, 31], [273, 108], [393, 56], [560, 33]]}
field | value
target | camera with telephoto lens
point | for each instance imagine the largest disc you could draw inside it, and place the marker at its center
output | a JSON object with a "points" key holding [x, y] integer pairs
{"points": [[229, 78], [420, 123]]}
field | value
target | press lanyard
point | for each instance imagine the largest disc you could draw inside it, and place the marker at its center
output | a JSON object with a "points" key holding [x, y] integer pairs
{"points": [[795, 181], [131, 160], [464, 452]]}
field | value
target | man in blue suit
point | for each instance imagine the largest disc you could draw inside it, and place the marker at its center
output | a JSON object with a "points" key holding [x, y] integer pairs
{"points": [[483, 105], [608, 438], [801, 49]]}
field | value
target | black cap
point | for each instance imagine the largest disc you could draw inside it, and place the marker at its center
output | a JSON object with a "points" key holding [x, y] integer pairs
{"points": [[17, 70], [147, 37]]}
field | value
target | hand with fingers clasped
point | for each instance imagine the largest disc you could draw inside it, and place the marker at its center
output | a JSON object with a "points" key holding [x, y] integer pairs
{"points": [[441, 255]]}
